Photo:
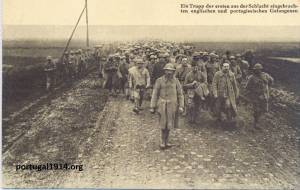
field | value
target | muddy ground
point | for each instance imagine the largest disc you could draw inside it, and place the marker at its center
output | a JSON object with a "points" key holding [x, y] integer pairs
{"points": [[118, 149]]}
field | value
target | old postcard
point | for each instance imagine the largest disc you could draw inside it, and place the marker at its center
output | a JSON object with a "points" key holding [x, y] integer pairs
{"points": [[151, 94]]}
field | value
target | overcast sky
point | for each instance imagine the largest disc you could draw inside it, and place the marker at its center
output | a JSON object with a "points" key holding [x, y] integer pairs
{"points": [[177, 33]]}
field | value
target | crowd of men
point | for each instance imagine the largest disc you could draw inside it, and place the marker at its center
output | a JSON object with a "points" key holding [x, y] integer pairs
{"points": [[73, 65], [179, 79]]}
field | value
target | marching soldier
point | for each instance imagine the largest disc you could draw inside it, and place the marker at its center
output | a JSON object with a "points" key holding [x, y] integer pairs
{"points": [[181, 73], [225, 91], [167, 99], [257, 88], [50, 69], [150, 66], [158, 69], [66, 63], [140, 81], [244, 65], [235, 68], [110, 76], [183, 70], [195, 84], [100, 65], [212, 67], [199, 58], [123, 69], [72, 65]]}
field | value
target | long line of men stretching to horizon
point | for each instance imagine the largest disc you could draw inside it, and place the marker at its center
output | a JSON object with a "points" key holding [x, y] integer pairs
{"points": [[180, 79]]}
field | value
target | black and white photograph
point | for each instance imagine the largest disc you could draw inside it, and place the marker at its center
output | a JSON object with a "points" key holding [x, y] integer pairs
{"points": [[150, 94]]}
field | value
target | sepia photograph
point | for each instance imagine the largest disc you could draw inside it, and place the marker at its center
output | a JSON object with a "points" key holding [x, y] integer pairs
{"points": [[141, 94]]}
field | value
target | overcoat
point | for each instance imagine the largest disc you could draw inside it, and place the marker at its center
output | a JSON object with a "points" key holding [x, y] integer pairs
{"points": [[225, 85], [167, 97]]}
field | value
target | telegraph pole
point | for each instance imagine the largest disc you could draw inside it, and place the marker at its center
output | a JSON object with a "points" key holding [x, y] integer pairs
{"points": [[87, 24]]}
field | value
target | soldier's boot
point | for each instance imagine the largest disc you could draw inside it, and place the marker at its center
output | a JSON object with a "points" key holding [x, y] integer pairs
{"points": [[192, 116], [127, 93], [231, 117], [168, 144], [184, 111], [136, 106], [141, 100], [162, 139]]}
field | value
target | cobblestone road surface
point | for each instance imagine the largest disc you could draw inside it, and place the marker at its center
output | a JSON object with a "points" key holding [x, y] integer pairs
{"points": [[119, 149], [204, 155]]}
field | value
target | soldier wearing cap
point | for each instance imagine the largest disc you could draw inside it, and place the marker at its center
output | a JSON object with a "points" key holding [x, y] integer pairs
{"points": [[257, 88], [139, 82], [50, 69], [196, 87], [182, 70], [212, 67], [201, 62], [150, 66], [123, 75], [179, 58], [225, 91], [111, 76], [167, 99]]}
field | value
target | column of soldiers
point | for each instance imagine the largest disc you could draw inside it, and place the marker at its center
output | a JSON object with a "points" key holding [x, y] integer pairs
{"points": [[73, 66], [179, 79]]}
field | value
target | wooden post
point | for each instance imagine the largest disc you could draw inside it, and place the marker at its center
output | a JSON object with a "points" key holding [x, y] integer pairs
{"points": [[87, 24], [70, 38]]}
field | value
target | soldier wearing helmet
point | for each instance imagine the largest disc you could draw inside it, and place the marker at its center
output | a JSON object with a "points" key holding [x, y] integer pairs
{"points": [[257, 88], [167, 99]]}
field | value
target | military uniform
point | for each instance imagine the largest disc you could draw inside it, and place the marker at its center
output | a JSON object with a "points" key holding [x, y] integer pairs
{"points": [[237, 72], [244, 65], [195, 85], [212, 67], [50, 69], [158, 69], [167, 97], [181, 72], [257, 88], [139, 81], [225, 90], [123, 69], [111, 76]]}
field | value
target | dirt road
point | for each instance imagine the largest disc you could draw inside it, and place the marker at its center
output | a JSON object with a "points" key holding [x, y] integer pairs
{"points": [[119, 149]]}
